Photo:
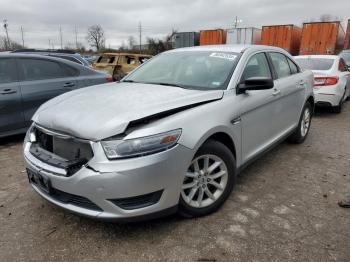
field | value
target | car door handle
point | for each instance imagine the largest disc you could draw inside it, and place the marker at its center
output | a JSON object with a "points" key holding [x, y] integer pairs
{"points": [[276, 92], [69, 84], [8, 92], [301, 83]]}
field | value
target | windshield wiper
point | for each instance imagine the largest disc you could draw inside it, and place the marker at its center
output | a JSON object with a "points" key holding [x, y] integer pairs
{"points": [[164, 84], [129, 81]]}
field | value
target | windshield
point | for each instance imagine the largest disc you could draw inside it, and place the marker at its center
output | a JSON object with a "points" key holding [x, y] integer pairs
{"points": [[315, 63], [194, 70], [346, 57]]}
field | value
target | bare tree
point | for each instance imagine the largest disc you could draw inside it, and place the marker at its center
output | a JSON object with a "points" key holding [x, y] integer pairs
{"points": [[156, 46], [131, 42], [95, 37], [11, 45]]}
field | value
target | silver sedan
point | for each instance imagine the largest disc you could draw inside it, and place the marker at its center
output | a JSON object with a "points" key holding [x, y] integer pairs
{"points": [[171, 136]]}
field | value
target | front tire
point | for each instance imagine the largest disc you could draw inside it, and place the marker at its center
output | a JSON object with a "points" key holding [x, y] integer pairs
{"points": [[208, 181], [303, 128]]}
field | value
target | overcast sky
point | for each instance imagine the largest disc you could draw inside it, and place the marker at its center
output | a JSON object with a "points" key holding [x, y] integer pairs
{"points": [[41, 19]]}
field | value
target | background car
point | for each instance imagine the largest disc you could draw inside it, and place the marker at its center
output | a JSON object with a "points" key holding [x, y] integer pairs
{"points": [[345, 54], [90, 58], [119, 64], [332, 79], [27, 81], [64, 54]]}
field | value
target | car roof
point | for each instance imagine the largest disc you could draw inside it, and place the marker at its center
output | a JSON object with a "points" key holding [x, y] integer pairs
{"points": [[229, 48], [40, 56], [115, 54], [318, 56]]}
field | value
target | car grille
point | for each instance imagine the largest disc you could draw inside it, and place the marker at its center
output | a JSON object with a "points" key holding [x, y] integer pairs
{"points": [[67, 153]]}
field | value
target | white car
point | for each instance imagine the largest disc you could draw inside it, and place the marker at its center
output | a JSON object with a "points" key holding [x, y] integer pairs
{"points": [[332, 79]]}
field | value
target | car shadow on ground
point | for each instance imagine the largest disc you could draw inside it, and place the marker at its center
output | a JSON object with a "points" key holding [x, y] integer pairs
{"points": [[328, 111], [9, 140]]}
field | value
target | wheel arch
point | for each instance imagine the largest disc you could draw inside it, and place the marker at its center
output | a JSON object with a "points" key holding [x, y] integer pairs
{"points": [[222, 137], [311, 100]]}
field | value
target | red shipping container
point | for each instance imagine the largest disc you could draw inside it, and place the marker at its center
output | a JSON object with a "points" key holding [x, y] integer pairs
{"points": [[212, 37], [283, 36], [347, 37], [322, 38]]}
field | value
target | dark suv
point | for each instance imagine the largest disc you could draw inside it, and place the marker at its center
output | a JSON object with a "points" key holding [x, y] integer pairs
{"points": [[27, 81], [64, 54]]}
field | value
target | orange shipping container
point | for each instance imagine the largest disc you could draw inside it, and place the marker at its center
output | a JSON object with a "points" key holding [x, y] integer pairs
{"points": [[347, 37], [283, 36], [213, 37], [322, 38]]}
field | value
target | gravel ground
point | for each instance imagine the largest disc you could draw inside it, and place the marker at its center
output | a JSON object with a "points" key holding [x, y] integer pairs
{"points": [[284, 208]]}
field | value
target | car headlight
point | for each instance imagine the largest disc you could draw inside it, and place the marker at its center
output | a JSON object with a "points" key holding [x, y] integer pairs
{"points": [[140, 146], [30, 136]]}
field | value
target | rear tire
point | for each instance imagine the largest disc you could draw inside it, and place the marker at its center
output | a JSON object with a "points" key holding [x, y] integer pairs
{"points": [[207, 186], [303, 128], [337, 109]]}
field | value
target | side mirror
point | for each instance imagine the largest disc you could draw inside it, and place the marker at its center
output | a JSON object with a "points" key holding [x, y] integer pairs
{"points": [[255, 83]]}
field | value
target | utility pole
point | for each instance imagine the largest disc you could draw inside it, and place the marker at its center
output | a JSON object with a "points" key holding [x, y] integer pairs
{"points": [[61, 37], [140, 33], [49, 43], [7, 34], [237, 21], [22, 36], [76, 37]]}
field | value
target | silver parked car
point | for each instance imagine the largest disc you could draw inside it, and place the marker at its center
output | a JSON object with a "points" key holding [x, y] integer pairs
{"points": [[173, 135]]}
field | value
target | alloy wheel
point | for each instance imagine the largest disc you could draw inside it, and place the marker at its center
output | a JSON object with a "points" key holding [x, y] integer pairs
{"points": [[205, 181], [305, 122]]}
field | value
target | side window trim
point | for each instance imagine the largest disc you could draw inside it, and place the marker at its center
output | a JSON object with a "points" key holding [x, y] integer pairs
{"points": [[291, 61], [272, 68], [66, 69]]}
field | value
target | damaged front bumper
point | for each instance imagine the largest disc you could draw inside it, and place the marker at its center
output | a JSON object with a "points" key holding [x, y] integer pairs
{"points": [[125, 189]]}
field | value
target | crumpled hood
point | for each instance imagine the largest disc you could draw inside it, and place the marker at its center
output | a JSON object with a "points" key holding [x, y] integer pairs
{"points": [[103, 111]]}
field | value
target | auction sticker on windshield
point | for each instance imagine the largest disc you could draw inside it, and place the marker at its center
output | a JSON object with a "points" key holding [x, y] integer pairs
{"points": [[224, 56]]}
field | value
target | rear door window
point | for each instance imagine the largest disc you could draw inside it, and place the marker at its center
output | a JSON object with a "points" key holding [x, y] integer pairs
{"points": [[69, 58], [8, 70], [293, 67], [71, 71], [280, 64], [38, 69]]}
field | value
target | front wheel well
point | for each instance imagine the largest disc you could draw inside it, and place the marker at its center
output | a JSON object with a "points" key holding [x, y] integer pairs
{"points": [[225, 139]]}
